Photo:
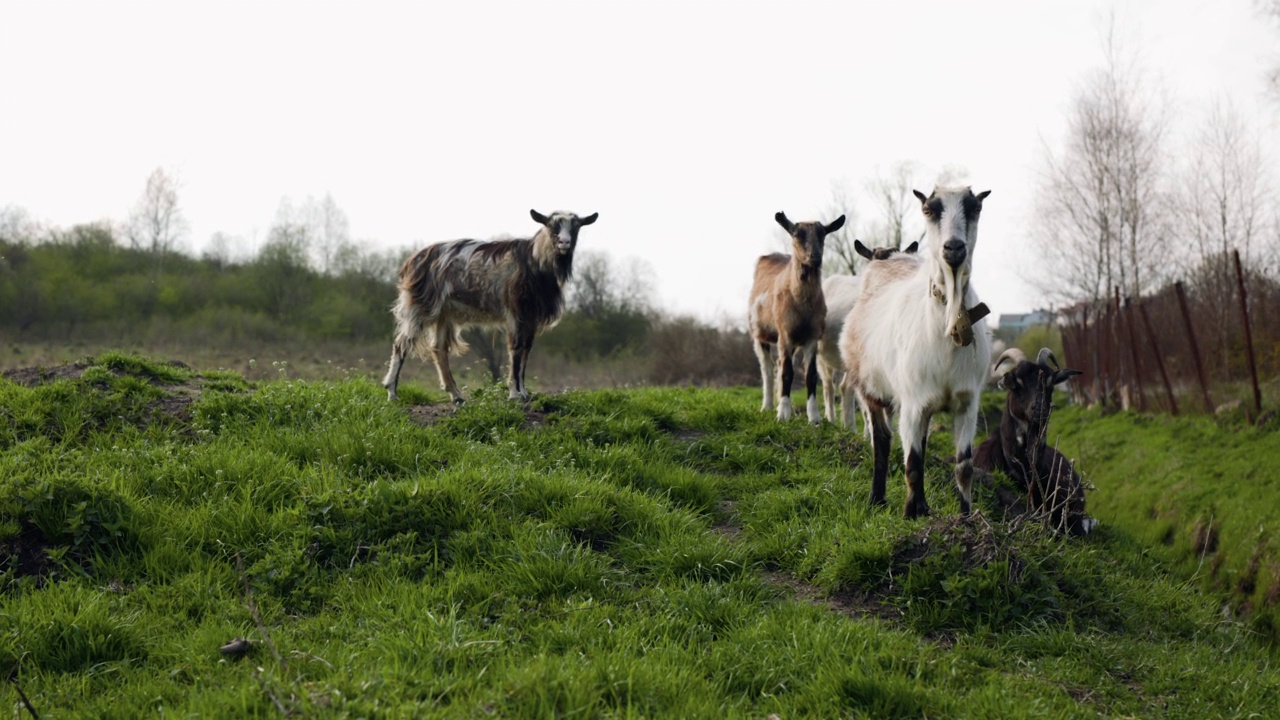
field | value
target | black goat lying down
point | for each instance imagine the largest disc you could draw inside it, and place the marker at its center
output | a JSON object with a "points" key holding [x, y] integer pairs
{"points": [[1019, 450]]}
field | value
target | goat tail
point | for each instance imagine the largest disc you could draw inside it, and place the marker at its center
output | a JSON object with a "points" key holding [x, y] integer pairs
{"points": [[419, 329]]}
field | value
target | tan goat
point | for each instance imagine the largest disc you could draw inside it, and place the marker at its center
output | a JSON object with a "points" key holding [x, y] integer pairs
{"points": [[787, 309]]}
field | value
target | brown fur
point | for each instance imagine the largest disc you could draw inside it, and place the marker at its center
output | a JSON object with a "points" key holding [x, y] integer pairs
{"points": [[787, 309], [516, 284], [795, 310]]}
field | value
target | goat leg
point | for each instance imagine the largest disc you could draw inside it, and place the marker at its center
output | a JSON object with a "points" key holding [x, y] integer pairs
{"points": [[786, 374], [881, 437], [811, 384], [916, 506]]}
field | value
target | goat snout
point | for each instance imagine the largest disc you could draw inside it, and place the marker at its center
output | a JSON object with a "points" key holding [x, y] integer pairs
{"points": [[954, 252]]}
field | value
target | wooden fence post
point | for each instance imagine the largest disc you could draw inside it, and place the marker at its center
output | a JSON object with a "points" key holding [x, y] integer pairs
{"points": [[1151, 337], [1195, 347], [1133, 350], [1104, 351], [1248, 334]]}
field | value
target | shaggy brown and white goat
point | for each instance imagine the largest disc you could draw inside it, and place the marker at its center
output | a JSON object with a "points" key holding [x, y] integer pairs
{"points": [[787, 309], [517, 284], [1019, 450], [841, 294]]}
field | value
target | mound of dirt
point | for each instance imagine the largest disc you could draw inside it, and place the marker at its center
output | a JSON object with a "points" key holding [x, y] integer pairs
{"points": [[174, 404], [39, 375], [981, 543]]}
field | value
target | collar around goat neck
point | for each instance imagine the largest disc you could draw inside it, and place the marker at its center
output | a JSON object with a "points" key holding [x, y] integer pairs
{"points": [[976, 313]]}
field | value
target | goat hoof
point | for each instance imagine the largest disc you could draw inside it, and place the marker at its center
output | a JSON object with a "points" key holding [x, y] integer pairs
{"points": [[459, 401], [916, 510]]}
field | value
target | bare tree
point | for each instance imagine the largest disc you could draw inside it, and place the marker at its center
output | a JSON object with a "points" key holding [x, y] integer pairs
{"points": [[892, 223], [599, 287], [1224, 206], [838, 255], [895, 206], [156, 223], [218, 250], [1101, 199], [17, 226], [331, 232]]}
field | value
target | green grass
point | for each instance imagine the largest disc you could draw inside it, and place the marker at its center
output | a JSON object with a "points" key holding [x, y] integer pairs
{"points": [[1200, 492], [638, 553]]}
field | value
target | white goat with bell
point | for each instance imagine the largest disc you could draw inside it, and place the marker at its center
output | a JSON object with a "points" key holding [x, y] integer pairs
{"points": [[918, 344]]}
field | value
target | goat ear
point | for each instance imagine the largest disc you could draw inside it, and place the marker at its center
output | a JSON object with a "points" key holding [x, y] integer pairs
{"points": [[923, 198], [1065, 375], [862, 250], [588, 219], [538, 217], [983, 195], [834, 226], [912, 248], [786, 224]]}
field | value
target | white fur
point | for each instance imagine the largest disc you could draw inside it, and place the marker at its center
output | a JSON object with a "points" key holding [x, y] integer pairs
{"points": [[898, 348], [841, 293]]}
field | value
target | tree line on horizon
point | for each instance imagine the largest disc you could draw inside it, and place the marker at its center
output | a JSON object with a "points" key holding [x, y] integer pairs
{"points": [[100, 283], [1124, 206]]}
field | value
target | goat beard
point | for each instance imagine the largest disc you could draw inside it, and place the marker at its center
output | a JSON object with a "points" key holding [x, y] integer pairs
{"points": [[959, 324]]}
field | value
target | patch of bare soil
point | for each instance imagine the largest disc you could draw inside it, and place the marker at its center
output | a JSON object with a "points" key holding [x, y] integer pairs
{"points": [[25, 553], [175, 404], [432, 413], [178, 405], [39, 375], [534, 419], [850, 603], [981, 543], [428, 415], [725, 526]]}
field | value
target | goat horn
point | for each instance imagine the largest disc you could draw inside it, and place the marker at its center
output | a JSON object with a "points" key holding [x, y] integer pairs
{"points": [[1012, 355], [1046, 358]]}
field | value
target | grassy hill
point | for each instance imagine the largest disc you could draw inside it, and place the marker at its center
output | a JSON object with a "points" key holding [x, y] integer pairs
{"points": [[1202, 492], [639, 553]]}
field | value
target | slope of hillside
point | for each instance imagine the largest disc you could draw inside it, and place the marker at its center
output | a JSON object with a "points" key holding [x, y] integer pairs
{"points": [[648, 552], [1203, 492]]}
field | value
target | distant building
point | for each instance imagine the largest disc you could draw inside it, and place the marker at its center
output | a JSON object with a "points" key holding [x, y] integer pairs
{"points": [[1011, 326]]}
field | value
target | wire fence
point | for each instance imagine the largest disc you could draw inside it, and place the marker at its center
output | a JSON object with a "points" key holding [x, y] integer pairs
{"points": [[1187, 348]]}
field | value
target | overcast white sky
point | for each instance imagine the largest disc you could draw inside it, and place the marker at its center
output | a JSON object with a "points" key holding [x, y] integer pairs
{"points": [[686, 125]]}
